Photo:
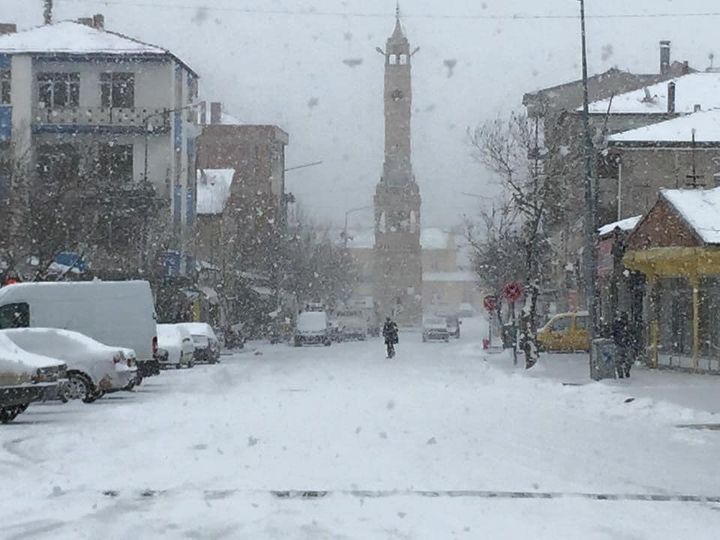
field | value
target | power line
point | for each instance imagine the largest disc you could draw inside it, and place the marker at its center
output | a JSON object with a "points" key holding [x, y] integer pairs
{"points": [[341, 14]]}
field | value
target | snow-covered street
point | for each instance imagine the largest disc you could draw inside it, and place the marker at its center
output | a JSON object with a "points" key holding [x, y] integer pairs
{"points": [[437, 443]]}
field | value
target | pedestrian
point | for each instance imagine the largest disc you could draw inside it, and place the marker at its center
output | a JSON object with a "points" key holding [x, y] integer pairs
{"points": [[390, 333], [622, 338]]}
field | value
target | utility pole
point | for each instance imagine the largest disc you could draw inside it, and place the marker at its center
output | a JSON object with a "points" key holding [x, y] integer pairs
{"points": [[589, 252], [47, 12]]}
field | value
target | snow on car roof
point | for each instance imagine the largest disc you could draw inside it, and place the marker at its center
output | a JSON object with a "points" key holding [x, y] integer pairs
{"points": [[694, 89], [11, 354], [705, 124], [199, 328], [700, 208], [213, 190]]}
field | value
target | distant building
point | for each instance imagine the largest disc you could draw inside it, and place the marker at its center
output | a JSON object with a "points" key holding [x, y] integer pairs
{"points": [[80, 101], [254, 210], [447, 278]]}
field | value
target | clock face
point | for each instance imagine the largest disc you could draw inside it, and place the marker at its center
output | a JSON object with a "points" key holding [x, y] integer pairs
{"points": [[397, 95]]}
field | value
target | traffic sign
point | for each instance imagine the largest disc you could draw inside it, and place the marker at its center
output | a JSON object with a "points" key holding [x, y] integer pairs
{"points": [[513, 291]]}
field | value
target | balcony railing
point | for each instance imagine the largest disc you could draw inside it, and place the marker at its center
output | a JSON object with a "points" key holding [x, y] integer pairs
{"points": [[152, 119]]}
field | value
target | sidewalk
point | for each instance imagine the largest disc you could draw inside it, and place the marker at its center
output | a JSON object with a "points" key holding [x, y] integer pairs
{"points": [[698, 392]]}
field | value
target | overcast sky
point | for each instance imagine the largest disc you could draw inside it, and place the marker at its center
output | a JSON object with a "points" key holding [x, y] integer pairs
{"points": [[314, 71]]}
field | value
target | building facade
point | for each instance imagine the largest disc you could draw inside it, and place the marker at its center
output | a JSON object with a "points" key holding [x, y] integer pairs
{"points": [[81, 102], [397, 252]]}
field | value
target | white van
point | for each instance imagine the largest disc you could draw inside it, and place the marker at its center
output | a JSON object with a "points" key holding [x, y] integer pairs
{"points": [[116, 313]]}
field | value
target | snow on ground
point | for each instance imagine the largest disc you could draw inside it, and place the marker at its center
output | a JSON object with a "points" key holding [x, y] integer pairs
{"points": [[430, 445]]}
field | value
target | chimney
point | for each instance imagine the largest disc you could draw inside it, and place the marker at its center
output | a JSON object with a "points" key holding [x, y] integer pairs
{"points": [[685, 67], [7, 28], [203, 113], [664, 57], [215, 112], [697, 108], [98, 21], [671, 98]]}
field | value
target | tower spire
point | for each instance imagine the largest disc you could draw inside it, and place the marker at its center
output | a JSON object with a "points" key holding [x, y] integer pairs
{"points": [[397, 10]]}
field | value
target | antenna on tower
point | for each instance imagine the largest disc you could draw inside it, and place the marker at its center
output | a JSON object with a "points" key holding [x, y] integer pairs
{"points": [[397, 10]]}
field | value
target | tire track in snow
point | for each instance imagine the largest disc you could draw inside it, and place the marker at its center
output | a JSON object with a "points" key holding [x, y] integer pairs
{"points": [[312, 494]]}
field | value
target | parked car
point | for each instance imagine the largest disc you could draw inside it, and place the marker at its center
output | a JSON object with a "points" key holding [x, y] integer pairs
{"points": [[177, 342], [335, 332], [93, 368], [466, 311], [435, 329], [453, 324], [205, 342], [312, 327], [26, 377], [565, 332], [234, 338], [116, 313], [353, 325]]}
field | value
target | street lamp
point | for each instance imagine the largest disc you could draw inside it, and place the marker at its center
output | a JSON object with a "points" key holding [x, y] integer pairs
{"points": [[351, 211]]}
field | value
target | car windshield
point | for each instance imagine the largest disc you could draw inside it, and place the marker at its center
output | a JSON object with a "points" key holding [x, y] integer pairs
{"points": [[360, 269]]}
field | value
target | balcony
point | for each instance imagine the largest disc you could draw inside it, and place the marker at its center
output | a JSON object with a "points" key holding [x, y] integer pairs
{"points": [[100, 119]]}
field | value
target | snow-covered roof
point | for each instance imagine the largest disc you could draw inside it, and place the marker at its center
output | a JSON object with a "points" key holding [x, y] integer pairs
{"points": [[706, 125], [213, 190], [449, 277], [627, 224], [69, 37], [694, 89], [700, 208]]}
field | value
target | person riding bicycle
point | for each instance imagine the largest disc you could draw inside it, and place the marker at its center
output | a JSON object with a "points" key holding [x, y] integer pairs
{"points": [[390, 333]]}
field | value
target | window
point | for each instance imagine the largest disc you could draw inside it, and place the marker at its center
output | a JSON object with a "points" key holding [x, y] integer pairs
{"points": [[561, 325], [115, 162], [117, 90], [59, 89], [58, 162], [581, 322], [15, 315], [5, 87]]}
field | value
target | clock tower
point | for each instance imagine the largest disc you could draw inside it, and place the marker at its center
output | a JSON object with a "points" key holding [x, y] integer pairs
{"points": [[398, 261]]}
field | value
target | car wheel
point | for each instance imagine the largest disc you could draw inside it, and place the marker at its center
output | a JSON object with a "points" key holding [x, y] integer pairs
{"points": [[178, 366], [94, 397], [79, 386]]}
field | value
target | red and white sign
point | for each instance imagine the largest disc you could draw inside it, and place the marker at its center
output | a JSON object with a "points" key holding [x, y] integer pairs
{"points": [[513, 291], [490, 303]]}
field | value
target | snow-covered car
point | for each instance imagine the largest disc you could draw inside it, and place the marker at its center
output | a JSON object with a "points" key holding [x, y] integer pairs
{"points": [[177, 341], [205, 342], [312, 327], [453, 324], [26, 377], [353, 325], [435, 329], [466, 311], [117, 313], [93, 368]]}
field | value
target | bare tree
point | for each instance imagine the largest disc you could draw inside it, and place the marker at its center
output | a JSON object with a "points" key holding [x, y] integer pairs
{"points": [[510, 148]]}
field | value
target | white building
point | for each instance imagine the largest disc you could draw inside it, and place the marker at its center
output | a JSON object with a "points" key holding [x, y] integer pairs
{"points": [[74, 88]]}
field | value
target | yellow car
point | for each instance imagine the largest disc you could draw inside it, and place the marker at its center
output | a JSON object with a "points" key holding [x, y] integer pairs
{"points": [[565, 332]]}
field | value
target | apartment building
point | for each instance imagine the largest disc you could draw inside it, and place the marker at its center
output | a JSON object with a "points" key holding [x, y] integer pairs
{"points": [[79, 101]]}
